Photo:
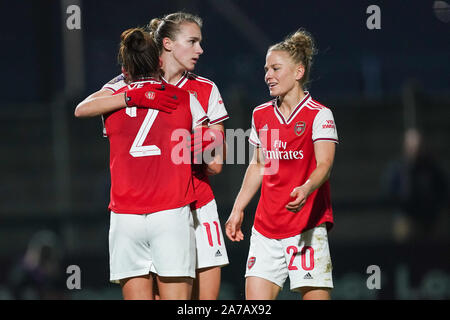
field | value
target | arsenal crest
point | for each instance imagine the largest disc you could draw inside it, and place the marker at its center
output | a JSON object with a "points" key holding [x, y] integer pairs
{"points": [[300, 128], [251, 262], [150, 95]]}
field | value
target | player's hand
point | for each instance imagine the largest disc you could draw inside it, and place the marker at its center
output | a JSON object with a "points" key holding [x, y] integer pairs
{"points": [[204, 139], [160, 98], [233, 226], [298, 197]]}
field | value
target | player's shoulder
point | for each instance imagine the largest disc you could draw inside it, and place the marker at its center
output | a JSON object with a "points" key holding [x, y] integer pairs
{"points": [[120, 77], [314, 109], [263, 107], [116, 83], [315, 105], [202, 81]]}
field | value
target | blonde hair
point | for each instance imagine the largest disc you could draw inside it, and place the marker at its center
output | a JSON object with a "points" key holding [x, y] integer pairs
{"points": [[301, 48], [169, 26]]}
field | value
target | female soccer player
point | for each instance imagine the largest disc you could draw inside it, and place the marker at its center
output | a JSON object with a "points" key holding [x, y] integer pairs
{"points": [[295, 138], [178, 36], [151, 224]]}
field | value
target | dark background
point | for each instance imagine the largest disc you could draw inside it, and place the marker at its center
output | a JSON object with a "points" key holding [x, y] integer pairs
{"points": [[378, 83]]}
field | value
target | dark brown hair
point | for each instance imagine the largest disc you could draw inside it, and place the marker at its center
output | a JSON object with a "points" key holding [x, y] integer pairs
{"points": [[169, 26], [138, 54]]}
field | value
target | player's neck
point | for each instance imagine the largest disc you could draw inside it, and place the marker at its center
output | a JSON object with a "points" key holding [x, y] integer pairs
{"points": [[172, 71], [290, 101], [173, 78]]}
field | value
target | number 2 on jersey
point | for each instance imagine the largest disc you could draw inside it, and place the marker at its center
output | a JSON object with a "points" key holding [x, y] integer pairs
{"points": [[137, 148]]}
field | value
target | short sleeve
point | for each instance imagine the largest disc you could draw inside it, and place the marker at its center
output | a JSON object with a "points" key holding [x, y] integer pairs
{"points": [[216, 108], [324, 127], [198, 114], [254, 139], [115, 84]]}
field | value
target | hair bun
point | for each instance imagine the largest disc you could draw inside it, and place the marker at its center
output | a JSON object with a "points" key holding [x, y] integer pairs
{"points": [[135, 40], [138, 53], [304, 42]]}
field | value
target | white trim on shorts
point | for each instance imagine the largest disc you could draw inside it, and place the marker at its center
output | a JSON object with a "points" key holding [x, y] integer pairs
{"points": [[161, 242], [304, 258]]}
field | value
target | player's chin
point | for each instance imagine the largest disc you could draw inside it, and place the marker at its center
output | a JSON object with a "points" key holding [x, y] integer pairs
{"points": [[274, 93], [190, 66]]}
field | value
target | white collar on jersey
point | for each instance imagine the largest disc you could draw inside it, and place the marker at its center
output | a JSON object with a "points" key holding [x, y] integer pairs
{"points": [[183, 76], [294, 112]]}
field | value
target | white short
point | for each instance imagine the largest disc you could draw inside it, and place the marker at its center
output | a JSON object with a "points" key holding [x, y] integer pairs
{"points": [[210, 244], [305, 258], [161, 242]]}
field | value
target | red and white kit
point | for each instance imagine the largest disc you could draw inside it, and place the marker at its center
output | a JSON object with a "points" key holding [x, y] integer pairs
{"points": [[209, 97], [144, 179], [290, 144], [284, 243], [151, 227], [211, 249]]}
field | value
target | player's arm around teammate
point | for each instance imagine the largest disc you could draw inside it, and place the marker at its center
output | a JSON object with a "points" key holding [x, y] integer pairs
{"points": [[103, 102], [151, 229], [178, 38]]}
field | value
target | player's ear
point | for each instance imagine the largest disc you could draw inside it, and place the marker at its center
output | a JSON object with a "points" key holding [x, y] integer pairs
{"points": [[167, 44], [300, 71]]}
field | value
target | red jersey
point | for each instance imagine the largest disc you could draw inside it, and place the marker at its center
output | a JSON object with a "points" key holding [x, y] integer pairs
{"points": [[144, 177], [288, 148], [210, 99]]}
